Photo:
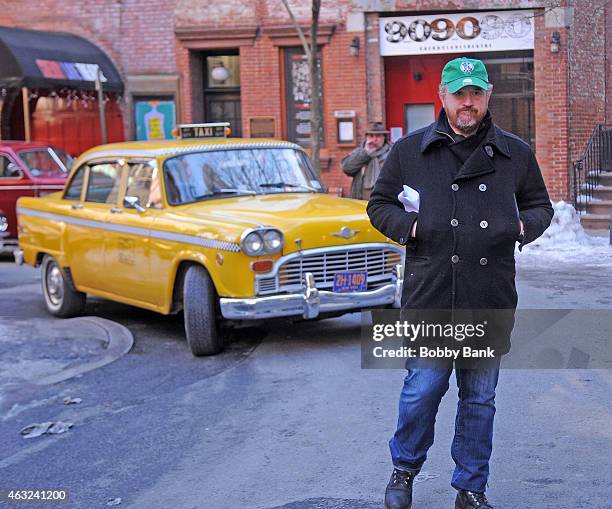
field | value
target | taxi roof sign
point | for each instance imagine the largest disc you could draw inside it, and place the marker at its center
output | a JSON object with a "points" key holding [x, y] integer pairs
{"points": [[211, 130]]}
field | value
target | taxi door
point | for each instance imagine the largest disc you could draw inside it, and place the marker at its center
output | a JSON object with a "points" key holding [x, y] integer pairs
{"points": [[127, 250], [87, 226]]}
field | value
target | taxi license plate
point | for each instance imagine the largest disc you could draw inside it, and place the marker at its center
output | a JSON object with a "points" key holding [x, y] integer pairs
{"points": [[353, 281]]}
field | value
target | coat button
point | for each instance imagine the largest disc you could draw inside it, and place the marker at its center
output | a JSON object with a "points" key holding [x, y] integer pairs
{"points": [[483, 224], [482, 187], [455, 187], [455, 259], [454, 222], [483, 261]]}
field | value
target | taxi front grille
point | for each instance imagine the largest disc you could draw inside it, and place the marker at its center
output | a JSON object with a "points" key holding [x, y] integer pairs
{"points": [[378, 262]]}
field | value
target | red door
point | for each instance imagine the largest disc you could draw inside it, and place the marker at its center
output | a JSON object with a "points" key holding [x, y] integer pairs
{"points": [[411, 86], [75, 125]]}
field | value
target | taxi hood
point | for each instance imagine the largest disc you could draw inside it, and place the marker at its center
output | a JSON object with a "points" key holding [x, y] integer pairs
{"points": [[311, 219]]}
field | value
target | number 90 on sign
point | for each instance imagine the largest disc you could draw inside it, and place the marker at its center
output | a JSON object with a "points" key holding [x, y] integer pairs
{"points": [[441, 29]]}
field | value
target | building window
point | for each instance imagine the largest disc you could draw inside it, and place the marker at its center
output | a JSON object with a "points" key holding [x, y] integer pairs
{"points": [[222, 91], [512, 102], [298, 97]]}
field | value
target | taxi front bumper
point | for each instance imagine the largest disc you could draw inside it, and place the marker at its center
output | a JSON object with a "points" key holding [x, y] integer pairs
{"points": [[312, 302]]}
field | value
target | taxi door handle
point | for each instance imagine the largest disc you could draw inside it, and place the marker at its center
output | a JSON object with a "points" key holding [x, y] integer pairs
{"points": [[76, 206], [116, 210]]}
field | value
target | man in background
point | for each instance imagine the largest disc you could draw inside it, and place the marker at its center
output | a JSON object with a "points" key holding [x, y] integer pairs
{"points": [[365, 162]]}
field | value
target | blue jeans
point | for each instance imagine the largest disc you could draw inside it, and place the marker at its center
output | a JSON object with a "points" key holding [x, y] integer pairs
{"points": [[419, 401]]}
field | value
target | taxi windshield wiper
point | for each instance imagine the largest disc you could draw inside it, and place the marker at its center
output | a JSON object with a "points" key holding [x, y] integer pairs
{"points": [[286, 184], [215, 192]]}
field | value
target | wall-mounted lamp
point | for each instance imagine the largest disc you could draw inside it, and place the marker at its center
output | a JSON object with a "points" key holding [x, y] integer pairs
{"points": [[355, 44], [220, 73], [555, 40]]}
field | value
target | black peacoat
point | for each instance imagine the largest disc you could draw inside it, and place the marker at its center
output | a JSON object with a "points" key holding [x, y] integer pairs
{"points": [[468, 222]]}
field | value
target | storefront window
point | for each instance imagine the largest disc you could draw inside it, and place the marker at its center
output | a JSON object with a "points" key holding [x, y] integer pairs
{"points": [[512, 102]]}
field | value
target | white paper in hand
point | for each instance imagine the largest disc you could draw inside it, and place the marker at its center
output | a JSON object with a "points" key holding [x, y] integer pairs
{"points": [[410, 199]]}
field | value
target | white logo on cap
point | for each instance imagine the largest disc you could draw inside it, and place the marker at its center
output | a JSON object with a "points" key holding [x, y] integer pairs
{"points": [[467, 67]]}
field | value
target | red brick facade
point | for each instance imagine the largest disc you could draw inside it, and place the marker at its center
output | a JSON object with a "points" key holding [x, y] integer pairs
{"points": [[160, 38]]}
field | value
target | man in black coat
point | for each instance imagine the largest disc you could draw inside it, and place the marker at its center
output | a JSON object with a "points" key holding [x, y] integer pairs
{"points": [[480, 191]]}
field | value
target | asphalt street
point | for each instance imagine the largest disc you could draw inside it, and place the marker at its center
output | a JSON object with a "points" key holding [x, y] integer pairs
{"points": [[285, 418]]}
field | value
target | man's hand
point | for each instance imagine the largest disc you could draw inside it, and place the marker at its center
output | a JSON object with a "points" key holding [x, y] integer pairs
{"points": [[522, 228], [413, 231], [370, 147]]}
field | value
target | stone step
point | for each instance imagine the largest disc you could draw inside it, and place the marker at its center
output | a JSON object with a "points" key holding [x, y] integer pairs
{"points": [[603, 192], [605, 178], [595, 221], [599, 207]]}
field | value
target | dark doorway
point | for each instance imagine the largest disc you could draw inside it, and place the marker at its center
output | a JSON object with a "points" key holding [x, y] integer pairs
{"points": [[222, 90]]}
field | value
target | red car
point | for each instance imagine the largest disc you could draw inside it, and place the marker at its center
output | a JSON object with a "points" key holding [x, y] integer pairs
{"points": [[27, 169]]}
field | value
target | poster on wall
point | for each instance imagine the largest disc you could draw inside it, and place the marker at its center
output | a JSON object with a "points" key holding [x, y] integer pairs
{"points": [[298, 93], [463, 32], [154, 119]]}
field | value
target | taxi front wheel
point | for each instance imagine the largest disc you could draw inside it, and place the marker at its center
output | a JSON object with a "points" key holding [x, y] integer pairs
{"points": [[199, 304], [61, 299]]}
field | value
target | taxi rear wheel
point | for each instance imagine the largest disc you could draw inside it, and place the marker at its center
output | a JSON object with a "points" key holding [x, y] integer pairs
{"points": [[199, 304], [61, 299]]}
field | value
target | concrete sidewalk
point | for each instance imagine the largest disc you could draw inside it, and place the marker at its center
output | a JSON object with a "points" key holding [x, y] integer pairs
{"points": [[45, 351]]}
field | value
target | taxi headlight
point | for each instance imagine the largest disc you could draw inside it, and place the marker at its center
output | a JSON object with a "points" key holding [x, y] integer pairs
{"points": [[261, 241], [273, 241], [253, 244]]}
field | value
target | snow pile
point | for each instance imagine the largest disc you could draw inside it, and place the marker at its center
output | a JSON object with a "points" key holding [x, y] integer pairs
{"points": [[565, 230], [566, 241]]}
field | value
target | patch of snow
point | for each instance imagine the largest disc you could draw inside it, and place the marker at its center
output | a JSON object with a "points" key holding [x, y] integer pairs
{"points": [[566, 240]]}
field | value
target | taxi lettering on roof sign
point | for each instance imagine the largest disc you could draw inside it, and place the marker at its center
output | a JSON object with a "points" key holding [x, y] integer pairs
{"points": [[227, 230], [191, 131]]}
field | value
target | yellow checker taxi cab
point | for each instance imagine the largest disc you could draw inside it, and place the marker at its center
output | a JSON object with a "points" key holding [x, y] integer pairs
{"points": [[227, 230]]}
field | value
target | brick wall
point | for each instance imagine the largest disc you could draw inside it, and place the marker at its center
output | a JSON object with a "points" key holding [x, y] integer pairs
{"points": [[551, 109], [139, 36], [587, 73]]}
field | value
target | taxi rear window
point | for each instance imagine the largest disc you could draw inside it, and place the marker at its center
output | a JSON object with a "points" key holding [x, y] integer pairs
{"points": [[222, 173]]}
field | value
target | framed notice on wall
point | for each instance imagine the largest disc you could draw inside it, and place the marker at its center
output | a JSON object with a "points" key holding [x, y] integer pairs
{"points": [[262, 127], [154, 118], [345, 128]]}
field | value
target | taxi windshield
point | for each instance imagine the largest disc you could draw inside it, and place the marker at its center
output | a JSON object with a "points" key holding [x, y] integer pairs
{"points": [[47, 162], [224, 173]]}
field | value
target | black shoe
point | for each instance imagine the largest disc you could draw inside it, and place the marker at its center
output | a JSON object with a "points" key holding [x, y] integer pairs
{"points": [[398, 494], [471, 500]]}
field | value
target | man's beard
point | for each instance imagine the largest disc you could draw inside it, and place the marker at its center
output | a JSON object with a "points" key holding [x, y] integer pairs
{"points": [[467, 125]]}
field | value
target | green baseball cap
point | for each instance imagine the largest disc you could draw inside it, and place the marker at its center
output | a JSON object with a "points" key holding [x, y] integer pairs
{"points": [[464, 72]]}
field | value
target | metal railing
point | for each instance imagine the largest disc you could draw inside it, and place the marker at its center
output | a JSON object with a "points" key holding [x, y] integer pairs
{"points": [[597, 157]]}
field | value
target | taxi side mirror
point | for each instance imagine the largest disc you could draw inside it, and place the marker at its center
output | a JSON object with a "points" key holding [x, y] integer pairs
{"points": [[132, 202]]}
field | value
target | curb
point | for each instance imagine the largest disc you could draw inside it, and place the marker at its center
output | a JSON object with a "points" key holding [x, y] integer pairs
{"points": [[119, 341]]}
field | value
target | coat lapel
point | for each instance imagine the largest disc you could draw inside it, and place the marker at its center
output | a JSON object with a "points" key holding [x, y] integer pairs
{"points": [[479, 163]]}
